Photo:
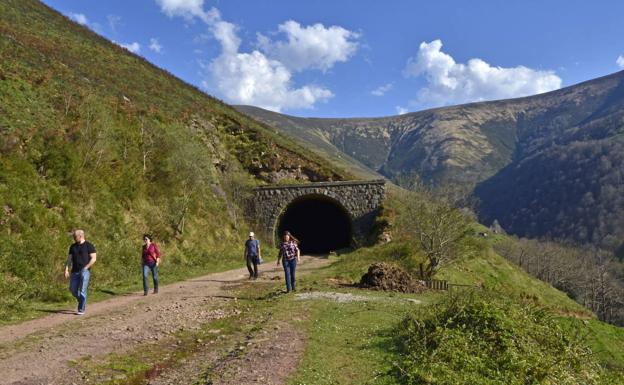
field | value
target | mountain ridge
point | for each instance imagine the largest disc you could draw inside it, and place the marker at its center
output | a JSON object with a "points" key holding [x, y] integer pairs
{"points": [[485, 146]]}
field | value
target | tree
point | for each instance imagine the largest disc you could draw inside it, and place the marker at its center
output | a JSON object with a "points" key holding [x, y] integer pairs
{"points": [[438, 228]]}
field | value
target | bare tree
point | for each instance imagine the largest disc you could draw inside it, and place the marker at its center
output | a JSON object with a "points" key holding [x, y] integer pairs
{"points": [[437, 227], [586, 274]]}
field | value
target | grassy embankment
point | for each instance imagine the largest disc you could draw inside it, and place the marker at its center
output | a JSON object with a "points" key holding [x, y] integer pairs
{"points": [[355, 342]]}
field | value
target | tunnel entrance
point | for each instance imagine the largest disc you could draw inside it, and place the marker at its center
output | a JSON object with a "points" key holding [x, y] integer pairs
{"points": [[320, 223]]}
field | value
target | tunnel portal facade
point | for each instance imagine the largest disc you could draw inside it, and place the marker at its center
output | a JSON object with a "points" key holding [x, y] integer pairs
{"points": [[324, 216]]}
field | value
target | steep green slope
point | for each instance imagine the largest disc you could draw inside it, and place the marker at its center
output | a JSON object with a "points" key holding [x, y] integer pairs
{"points": [[359, 161], [573, 135], [94, 137]]}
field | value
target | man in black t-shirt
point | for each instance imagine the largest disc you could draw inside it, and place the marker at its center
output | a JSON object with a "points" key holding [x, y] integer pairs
{"points": [[81, 257]]}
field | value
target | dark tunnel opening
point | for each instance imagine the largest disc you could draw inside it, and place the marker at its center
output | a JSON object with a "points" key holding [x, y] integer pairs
{"points": [[319, 223]]}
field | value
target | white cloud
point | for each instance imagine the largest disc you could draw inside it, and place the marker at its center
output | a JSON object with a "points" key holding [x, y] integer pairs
{"points": [[401, 110], [188, 9], [248, 77], [381, 90], [155, 45], [620, 61], [134, 47], [253, 78], [113, 22], [449, 82], [79, 18], [311, 47]]}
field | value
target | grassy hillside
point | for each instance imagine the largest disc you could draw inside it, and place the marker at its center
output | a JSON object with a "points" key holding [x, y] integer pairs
{"points": [[317, 138], [499, 289], [94, 137]]}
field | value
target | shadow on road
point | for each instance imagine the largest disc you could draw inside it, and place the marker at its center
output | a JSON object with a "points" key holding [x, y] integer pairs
{"points": [[57, 311]]}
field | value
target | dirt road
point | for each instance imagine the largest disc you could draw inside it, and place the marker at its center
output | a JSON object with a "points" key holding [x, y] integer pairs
{"points": [[41, 351]]}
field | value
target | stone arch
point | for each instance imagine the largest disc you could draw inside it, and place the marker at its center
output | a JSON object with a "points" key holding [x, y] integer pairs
{"points": [[360, 200], [320, 222]]}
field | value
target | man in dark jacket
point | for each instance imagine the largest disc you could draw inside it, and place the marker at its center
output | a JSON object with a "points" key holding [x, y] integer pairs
{"points": [[252, 255]]}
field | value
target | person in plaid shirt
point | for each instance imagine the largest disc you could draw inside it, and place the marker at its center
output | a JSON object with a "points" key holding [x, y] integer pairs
{"points": [[289, 254]]}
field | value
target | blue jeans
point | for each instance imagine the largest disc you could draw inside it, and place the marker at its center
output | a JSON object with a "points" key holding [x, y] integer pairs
{"points": [[78, 285], [289, 271], [146, 269]]}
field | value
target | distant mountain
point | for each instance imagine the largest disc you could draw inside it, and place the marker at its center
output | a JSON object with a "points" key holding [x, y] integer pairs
{"points": [[545, 165]]}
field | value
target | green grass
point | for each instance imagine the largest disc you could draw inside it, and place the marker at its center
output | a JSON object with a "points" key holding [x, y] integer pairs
{"points": [[606, 341], [488, 270], [481, 337], [493, 271], [349, 343]]}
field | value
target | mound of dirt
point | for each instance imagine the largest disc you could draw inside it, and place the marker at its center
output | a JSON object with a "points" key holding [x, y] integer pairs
{"points": [[387, 277]]}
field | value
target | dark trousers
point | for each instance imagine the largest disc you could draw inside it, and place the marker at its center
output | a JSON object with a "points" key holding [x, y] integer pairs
{"points": [[290, 265], [252, 266], [146, 269]]}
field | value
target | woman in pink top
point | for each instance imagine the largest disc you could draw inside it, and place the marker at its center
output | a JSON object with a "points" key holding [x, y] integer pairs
{"points": [[289, 254], [151, 260]]}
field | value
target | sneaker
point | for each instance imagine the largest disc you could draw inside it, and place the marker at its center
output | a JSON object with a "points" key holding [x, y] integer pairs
{"points": [[80, 312], [155, 291], [144, 293]]}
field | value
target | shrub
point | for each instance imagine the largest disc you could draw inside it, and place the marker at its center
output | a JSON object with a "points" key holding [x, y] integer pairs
{"points": [[479, 338]]}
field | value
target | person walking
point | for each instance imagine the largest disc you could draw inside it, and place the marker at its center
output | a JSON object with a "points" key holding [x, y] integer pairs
{"points": [[151, 260], [289, 254], [82, 256], [252, 255]]}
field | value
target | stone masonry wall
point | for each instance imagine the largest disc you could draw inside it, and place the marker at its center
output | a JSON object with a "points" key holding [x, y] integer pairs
{"points": [[361, 200]]}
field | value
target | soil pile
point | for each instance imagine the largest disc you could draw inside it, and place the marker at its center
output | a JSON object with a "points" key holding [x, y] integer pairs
{"points": [[387, 277]]}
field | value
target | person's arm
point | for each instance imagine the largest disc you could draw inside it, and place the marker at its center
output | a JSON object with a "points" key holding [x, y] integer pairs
{"points": [[298, 254], [91, 261], [155, 255], [68, 263]]}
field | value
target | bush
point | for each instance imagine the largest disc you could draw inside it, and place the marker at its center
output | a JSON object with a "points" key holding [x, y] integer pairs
{"points": [[479, 338]]}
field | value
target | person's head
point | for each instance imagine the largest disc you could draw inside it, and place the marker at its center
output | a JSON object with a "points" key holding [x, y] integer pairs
{"points": [[252, 235], [147, 239], [78, 235], [287, 236]]}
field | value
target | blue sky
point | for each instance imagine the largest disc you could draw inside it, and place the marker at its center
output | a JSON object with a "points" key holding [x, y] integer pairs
{"points": [[364, 57]]}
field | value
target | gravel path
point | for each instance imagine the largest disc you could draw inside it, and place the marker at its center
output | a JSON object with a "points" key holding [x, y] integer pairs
{"points": [[39, 351]]}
